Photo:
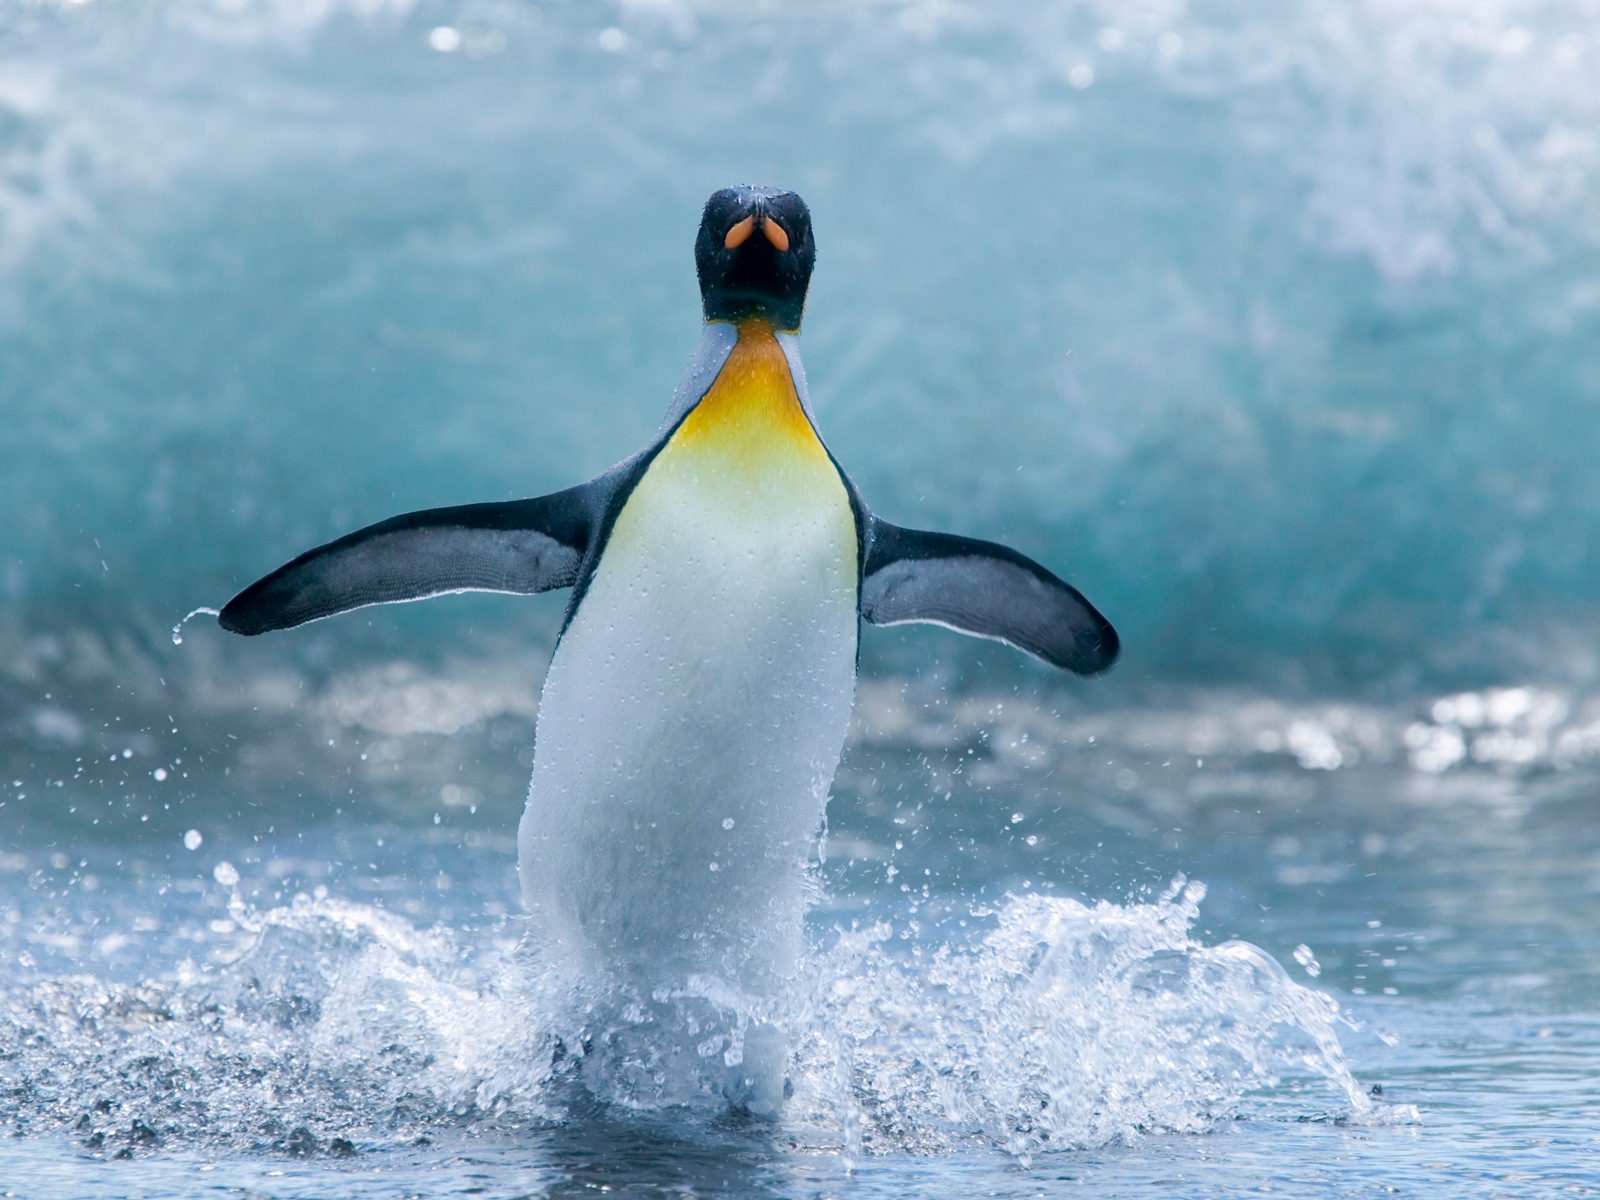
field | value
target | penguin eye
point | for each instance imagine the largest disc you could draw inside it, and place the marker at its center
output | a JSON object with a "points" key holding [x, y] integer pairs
{"points": [[741, 232], [775, 234]]}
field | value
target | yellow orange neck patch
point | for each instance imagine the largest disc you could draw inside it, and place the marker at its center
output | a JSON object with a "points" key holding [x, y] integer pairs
{"points": [[751, 415]]}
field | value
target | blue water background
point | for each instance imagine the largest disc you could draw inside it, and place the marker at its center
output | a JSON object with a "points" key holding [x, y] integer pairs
{"points": [[1278, 333], [1275, 329]]}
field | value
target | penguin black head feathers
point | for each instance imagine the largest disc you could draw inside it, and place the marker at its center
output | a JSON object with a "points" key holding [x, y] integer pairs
{"points": [[754, 255]]}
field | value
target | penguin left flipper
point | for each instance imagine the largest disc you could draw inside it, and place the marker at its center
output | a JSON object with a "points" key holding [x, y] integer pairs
{"points": [[518, 546], [984, 589]]}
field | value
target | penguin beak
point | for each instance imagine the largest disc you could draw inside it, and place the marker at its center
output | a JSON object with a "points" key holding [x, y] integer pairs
{"points": [[741, 231]]}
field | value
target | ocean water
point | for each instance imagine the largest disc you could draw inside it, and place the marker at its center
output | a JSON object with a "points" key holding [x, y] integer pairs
{"points": [[1276, 330]]}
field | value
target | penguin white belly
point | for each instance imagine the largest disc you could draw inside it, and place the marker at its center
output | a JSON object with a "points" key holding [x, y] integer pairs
{"points": [[695, 710]]}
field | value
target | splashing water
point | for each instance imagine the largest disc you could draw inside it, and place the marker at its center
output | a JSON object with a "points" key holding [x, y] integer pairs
{"points": [[1067, 1025], [1062, 1025], [177, 630]]}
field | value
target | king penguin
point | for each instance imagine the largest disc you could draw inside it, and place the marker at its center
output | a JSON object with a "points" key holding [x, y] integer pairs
{"points": [[698, 698]]}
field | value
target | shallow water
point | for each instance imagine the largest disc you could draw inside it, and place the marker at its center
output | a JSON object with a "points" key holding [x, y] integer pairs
{"points": [[1275, 332], [1385, 981]]}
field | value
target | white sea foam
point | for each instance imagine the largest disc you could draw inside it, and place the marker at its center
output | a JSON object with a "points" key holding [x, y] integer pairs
{"points": [[1062, 1025], [1429, 123]]}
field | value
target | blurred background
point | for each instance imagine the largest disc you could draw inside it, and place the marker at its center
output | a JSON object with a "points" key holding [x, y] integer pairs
{"points": [[1278, 333]]}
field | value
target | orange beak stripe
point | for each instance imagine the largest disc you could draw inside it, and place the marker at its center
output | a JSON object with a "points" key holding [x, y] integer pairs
{"points": [[741, 232], [775, 234]]}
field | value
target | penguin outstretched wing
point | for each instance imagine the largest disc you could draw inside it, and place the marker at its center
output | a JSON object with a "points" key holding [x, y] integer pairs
{"points": [[519, 546], [984, 589]]}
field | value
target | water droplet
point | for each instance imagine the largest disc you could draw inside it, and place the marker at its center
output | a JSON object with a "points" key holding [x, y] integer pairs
{"points": [[727, 822], [225, 874], [160, 774], [1308, 960], [177, 630], [192, 840]]}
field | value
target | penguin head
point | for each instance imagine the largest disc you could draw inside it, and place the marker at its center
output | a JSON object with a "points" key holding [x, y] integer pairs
{"points": [[754, 256]]}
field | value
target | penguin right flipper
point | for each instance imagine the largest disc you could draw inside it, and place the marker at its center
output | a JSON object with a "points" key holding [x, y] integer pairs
{"points": [[984, 589], [519, 546]]}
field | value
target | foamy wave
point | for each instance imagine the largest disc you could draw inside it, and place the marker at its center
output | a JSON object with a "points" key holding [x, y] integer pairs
{"points": [[1414, 127]]}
